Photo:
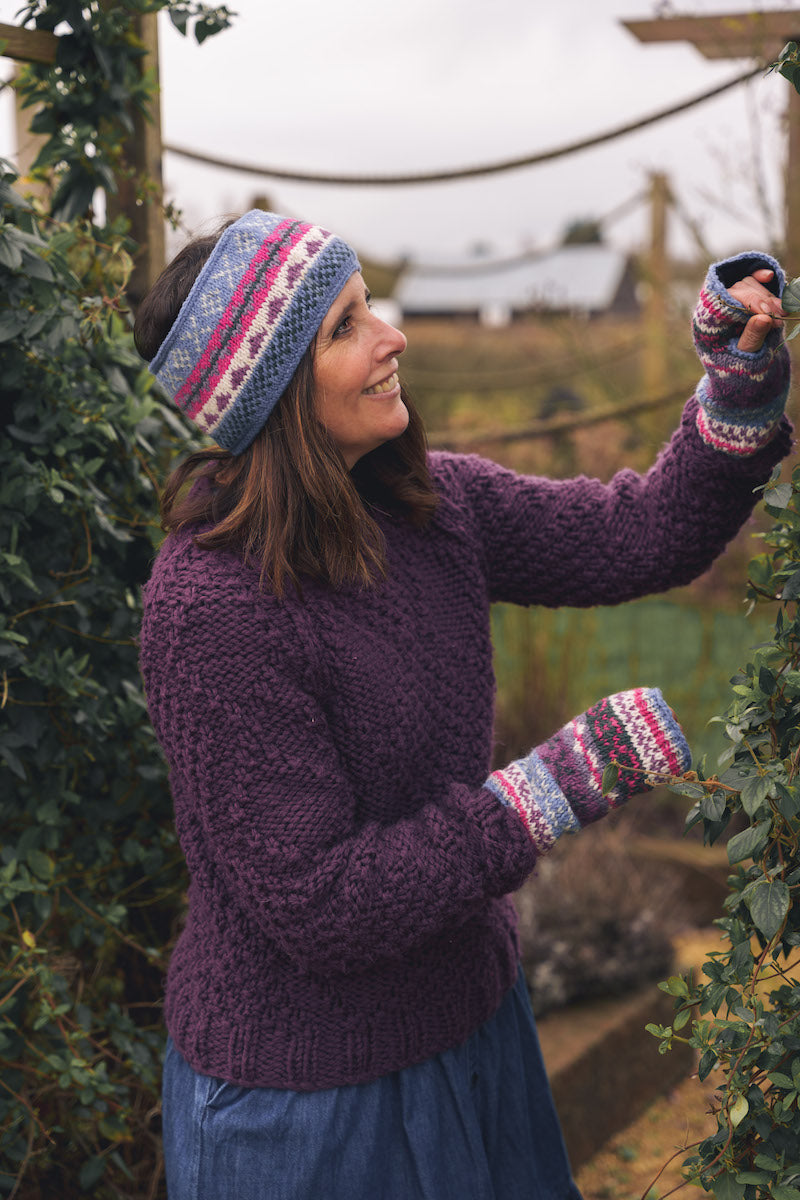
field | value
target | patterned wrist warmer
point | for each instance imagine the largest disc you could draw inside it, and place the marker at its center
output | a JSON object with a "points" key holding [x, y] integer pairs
{"points": [[743, 394], [557, 787]]}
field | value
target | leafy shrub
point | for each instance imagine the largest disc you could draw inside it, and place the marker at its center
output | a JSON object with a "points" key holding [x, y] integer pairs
{"points": [[91, 879], [742, 1014], [86, 100]]}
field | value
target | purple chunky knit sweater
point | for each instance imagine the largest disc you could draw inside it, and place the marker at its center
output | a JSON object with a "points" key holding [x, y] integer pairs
{"points": [[348, 908]]}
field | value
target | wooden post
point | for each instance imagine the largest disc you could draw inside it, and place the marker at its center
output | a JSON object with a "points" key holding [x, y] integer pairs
{"points": [[792, 207], [755, 35], [28, 147], [656, 339], [142, 151], [263, 201], [142, 154], [27, 45]]}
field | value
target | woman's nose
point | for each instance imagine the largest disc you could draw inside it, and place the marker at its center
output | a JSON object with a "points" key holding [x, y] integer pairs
{"points": [[394, 339]]}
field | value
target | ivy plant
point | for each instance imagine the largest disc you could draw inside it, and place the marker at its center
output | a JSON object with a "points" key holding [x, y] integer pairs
{"points": [[91, 879], [85, 100], [741, 1013]]}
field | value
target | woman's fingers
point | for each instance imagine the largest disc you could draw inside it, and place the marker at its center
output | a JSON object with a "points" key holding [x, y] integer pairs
{"points": [[754, 296], [766, 308], [754, 333]]}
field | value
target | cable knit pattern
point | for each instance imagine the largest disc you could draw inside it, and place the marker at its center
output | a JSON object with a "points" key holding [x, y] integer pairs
{"points": [[742, 395], [557, 788], [348, 905]]}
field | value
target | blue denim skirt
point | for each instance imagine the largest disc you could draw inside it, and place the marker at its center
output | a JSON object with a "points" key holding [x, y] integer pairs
{"points": [[474, 1123]]}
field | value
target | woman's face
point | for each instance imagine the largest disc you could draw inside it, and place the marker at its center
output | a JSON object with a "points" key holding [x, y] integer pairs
{"points": [[355, 373]]}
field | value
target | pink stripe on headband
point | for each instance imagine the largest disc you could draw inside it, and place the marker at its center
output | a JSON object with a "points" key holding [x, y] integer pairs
{"points": [[221, 338]]}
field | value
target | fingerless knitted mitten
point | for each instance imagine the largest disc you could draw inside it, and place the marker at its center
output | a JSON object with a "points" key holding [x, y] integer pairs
{"points": [[743, 394], [557, 787]]}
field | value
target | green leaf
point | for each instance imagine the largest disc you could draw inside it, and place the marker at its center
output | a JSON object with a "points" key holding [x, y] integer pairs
{"points": [[754, 793], [675, 986], [10, 254], [659, 1031], [707, 1064], [13, 762], [790, 297], [610, 777], [738, 1110], [769, 903], [791, 589], [788, 802], [92, 1171], [40, 863], [779, 497], [726, 1187], [11, 325], [713, 806], [784, 1192], [180, 17], [780, 1080], [749, 842]]}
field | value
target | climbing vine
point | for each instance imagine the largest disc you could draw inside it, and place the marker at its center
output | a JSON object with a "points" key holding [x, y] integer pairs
{"points": [[91, 877], [741, 1013], [85, 100]]}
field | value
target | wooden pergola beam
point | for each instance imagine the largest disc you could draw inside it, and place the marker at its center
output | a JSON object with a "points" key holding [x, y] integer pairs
{"points": [[755, 35], [27, 45], [759, 35], [142, 150]]}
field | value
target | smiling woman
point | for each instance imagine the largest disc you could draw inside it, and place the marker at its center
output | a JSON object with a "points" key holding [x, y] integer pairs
{"points": [[359, 399], [346, 1013], [229, 332]]}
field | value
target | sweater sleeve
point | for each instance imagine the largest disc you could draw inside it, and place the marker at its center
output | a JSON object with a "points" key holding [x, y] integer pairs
{"points": [[266, 815], [581, 542]]}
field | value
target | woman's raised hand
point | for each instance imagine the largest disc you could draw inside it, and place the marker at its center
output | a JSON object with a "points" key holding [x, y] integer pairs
{"points": [[763, 304]]}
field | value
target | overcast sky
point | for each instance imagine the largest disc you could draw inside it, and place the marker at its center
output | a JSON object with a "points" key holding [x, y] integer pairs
{"points": [[408, 85]]}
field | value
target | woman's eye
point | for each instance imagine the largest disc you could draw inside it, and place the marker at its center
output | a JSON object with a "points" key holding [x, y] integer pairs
{"points": [[342, 327]]}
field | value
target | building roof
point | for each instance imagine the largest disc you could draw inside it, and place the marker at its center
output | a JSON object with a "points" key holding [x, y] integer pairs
{"points": [[583, 278]]}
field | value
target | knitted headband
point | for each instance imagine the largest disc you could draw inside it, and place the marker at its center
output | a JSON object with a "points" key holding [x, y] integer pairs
{"points": [[248, 320]]}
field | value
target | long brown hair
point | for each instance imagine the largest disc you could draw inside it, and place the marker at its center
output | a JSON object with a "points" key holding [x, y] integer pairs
{"points": [[287, 503]]}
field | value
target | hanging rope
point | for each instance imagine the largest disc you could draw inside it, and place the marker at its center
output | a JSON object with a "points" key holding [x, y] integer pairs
{"points": [[511, 164]]}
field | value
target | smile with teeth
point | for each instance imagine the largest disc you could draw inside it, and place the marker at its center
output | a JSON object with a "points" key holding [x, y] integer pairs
{"points": [[386, 386]]}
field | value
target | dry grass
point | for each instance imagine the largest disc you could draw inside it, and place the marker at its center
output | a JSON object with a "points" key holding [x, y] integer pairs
{"points": [[645, 1159], [628, 1167], [468, 380]]}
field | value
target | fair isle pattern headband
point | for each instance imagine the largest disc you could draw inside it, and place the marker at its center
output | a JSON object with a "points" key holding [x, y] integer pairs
{"points": [[248, 320]]}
